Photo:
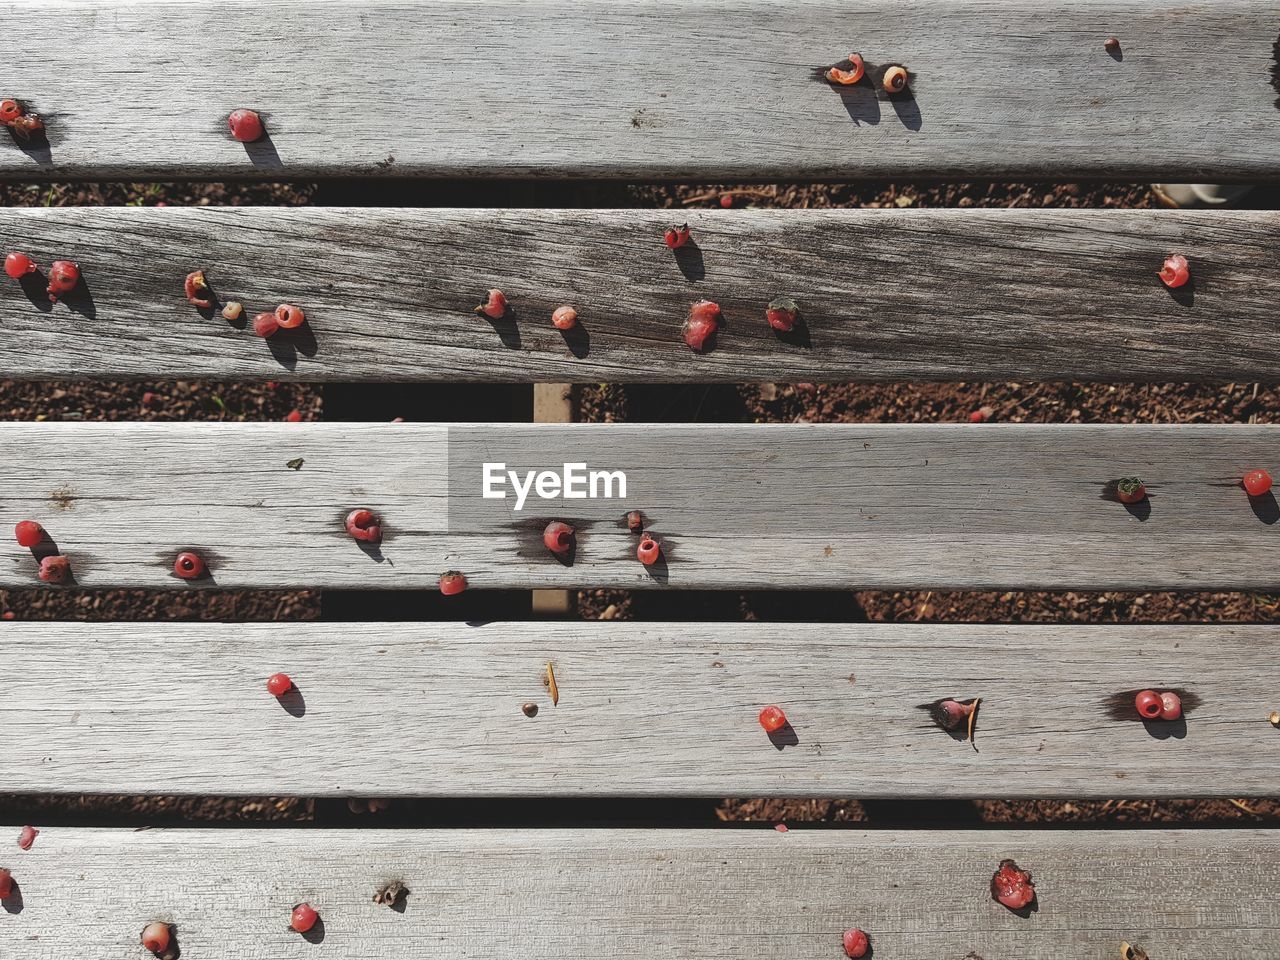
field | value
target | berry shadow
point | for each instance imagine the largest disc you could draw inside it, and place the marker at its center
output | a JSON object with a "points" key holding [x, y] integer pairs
{"points": [[79, 299], [785, 736], [316, 933], [1185, 294], [48, 547], [1115, 53], [1166, 729], [908, 110], [401, 902], [13, 903], [262, 152], [690, 261], [35, 145], [578, 340], [293, 703], [285, 345], [36, 286], [207, 313], [660, 569], [1265, 508], [505, 327], [1024, 912], [959, 733], [797, 336], [859, 99]]}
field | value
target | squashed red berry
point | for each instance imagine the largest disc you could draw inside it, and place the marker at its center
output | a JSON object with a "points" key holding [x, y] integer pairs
{"points": [[856, 943], [363, 525], [452, 582], [278, 684], [10, 110], [1170, 706], [894, 79], [1012, 886], [18, 265], [6, 884], [196, 287], [63, 277], [14, 116], [188, 565], [289, 317], [1130, 490], [27, 837], [1257, 482], [564, 318], [676, 237], [782, 314], [772, 719], [704, 320], [54, 569], [495, 308], [1175, 271], [28, 533], [1148, 704], [265, 324], [155, 937], [303, 918], [846, 78], [648, 551], [246, 125], [558, 537]]}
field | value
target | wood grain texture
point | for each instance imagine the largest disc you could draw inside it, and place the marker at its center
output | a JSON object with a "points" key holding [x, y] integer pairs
{"points": [[1002, 88], [648, 894], [884, 294], [654, 709], [735, 506]]}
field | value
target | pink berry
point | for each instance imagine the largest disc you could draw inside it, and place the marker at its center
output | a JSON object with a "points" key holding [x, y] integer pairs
{"points": [[303, 917], [289, 316], [1170, 706], [246, 125], [189, 565], [726, 200], [495, 307], [772, 719], [704, 319], [1148, 704], [564, 318], [6, 884], [452, 582], [293, 416], [155, 937], [363, 525], [949, 714], [63, 277], [1175, 271], [54, 569], [28, 533], [781, 314], [648, 551], [676, 237], [781, 827], [278, 684], [265, 324], [18, 265], [196, 287], [855, 943], [1012, 886], [558, 537], [27, 837]]}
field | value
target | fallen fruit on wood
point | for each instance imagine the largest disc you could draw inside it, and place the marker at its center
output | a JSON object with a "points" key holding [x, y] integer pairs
{"points": [[363, 525], [18, 265], [278, 684], [1111, 45], [1170, 706], [1148, 704], [452, 582], [233, 310], [188, 565], [1130, 490], [772, 719], [6, 884], [27, 837], [155, 937], [781, 314], [1256, 482], [949, 714], [303, 917], [28, 533], [1175, 271], [14, 116], [495, 307], [894, 79], [558, 537], [635, 521], [648, 551], [54, 569], [63, 277], [1011, 886], [1130, 952], [265, 324], [564, 318], [246, 125], [856, 943], [530, 709], [846, 78], [197, 289], [703, 321], [289, 317], [389, 894], [676, 237]]}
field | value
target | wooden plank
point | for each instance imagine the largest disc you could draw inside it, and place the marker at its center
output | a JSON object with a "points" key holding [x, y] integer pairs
{"points": [[884, 294], [696, 894], [756, 506], [435, 709], [552, 403], [1002, 88]]}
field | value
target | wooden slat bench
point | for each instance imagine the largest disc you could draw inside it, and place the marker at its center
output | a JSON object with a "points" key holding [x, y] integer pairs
{"points": [[489, 89]]}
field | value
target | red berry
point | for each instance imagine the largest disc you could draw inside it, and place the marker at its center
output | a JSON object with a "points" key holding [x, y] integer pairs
{"points": [[246, 125], [1130, 490], [1170, 706], [846, 78], [772, 719], [648, 551], [564, 318], [363, 525], [265, 324], [155, 937], [894, 79], [54, 569], [293, 416], [8, 615], [27, 837], [781, 827], [1175, 271], [781, 314], [18, 265], [452, 582], [197, 289], [676, 237], [28, 533], [704, 319], [981, 415], [949, 714], [635, 521], [1011, 886], [6, 884], [189, 565], [495, 307], [63, 277], [303, 917], [289, 316], [726, 200], [148, 398], [558, 537], [1257, 482], [855, 943], [278, 684], [10, 110], [1148, 704]]}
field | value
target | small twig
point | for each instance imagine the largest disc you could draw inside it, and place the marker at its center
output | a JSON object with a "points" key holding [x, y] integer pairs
{"points": [[551, 685], [1244, 806], [973, 716]]}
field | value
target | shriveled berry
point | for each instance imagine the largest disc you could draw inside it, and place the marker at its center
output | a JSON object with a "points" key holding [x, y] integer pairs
{"points": [[1170, 706], [529, 709], [265, 324], [949, 714], [635, 521], [28, 533], [189, 565], [1111, 44], [246, 125], [452, 582], [1012, 886], [772, 719], [856, 943], [495, 308], [704, 320], [1175, 271], [63, 277], [1148, 704], [363, 525], [18, 265], [27, 836], [981, 415], [564, 318], [233, 310], [894, 79], [6, 884], [846, 78], [196, 287], [278, 684], [676, 237], [782, 313], [290, 317], [10, 110], [648, 551], [303, 918], [54, 569], [155, 937], [1130, 490], [1257, 482], [558, 537]]}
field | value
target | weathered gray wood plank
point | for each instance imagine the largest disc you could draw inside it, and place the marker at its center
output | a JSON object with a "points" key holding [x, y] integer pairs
{"points": [[735, 506], [927, 294], [649, 89], [650, 894], [645, 709]]}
